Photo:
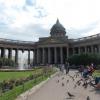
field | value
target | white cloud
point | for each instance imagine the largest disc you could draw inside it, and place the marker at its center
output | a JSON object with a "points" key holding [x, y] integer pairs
{"points": [[75, 15]]}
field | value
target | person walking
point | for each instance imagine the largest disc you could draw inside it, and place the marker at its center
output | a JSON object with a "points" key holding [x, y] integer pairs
{"points": [[67, 68]]}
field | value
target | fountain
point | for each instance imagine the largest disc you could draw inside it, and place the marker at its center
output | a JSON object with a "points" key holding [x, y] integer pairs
{"points": [[23, 66], [22, 61]]}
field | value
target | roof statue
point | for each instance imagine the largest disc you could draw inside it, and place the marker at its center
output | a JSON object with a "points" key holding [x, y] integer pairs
{"points": [[57, 30]]}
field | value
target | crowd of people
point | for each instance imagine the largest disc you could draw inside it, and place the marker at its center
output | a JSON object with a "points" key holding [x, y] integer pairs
{"points": [[87, 70]]}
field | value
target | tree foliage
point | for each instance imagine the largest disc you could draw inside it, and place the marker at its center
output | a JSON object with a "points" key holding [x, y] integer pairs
{"points": [[6, 62], [84, 59]]}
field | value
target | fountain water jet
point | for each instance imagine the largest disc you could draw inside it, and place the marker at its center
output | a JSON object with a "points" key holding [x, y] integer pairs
{"points": [[22, 61]]}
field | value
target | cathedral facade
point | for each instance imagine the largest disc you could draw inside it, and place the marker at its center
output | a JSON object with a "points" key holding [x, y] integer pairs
{"points": [[57, 48], [54, 49]]}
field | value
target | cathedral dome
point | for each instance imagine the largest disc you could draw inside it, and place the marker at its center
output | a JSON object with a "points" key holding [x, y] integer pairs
{"points": [[57, 30]]}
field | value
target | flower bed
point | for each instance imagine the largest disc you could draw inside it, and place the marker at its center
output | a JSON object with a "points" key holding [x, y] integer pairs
{"points": [[22, 84]]}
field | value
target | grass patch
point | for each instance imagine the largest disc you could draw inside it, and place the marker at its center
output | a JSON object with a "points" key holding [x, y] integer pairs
{"points": [[12, 94], [17, 90], [17, 75]]}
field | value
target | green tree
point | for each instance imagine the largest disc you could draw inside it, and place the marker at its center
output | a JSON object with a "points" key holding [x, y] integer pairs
{"points": [[6, 62], [84, 59]]}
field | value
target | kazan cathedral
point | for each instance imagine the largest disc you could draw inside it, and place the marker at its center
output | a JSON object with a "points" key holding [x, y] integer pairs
{"points": [[58, 47], [54, 49]]}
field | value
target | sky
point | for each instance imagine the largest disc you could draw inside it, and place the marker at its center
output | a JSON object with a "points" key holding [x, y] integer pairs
{"points": [[27, 20]]}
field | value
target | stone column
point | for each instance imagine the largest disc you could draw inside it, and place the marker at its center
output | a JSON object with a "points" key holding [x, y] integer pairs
{"points": [[85, 50], [16, 56], [2, 52], [92, 51], [79, 50], [73, 50], [43, 55], [61, 55], [33, 57], [88, 49], [95, 49], [37, 55], [67, 52], [55, 55], [98, 48], [49, 56], [28, 57], [10, 53]]}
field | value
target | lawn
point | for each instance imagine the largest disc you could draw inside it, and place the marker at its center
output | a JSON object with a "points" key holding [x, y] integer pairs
{"points": [[96, 73], [12, 94], [17, 90], [16, 75]]}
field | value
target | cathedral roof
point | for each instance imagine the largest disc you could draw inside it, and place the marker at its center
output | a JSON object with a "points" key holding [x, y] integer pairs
{"points": [[57, 29]]}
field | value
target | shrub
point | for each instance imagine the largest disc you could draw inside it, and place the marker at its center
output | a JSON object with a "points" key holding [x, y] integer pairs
{"points": [[84, 59], [6, 62]]}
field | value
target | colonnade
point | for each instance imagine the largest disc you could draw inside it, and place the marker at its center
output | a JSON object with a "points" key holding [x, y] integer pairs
{"points": [[10, 54], [85, 49], [51, 55], [58, 55]]}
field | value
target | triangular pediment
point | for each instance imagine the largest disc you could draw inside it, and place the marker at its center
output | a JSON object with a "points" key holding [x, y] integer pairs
{"points": [[51, 40]]}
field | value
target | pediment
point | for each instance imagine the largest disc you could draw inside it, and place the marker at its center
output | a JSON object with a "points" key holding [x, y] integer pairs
{"points": [[51, 41]]}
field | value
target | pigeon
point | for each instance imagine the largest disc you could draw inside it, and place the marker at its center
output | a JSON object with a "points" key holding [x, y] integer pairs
{"points": [[57, 81], [91, 84], [71, 76], [78, 83], [67, 81], [62, 84], [70, 95], [75, 86], [88, 98], [85, 84], [73, 79]]}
